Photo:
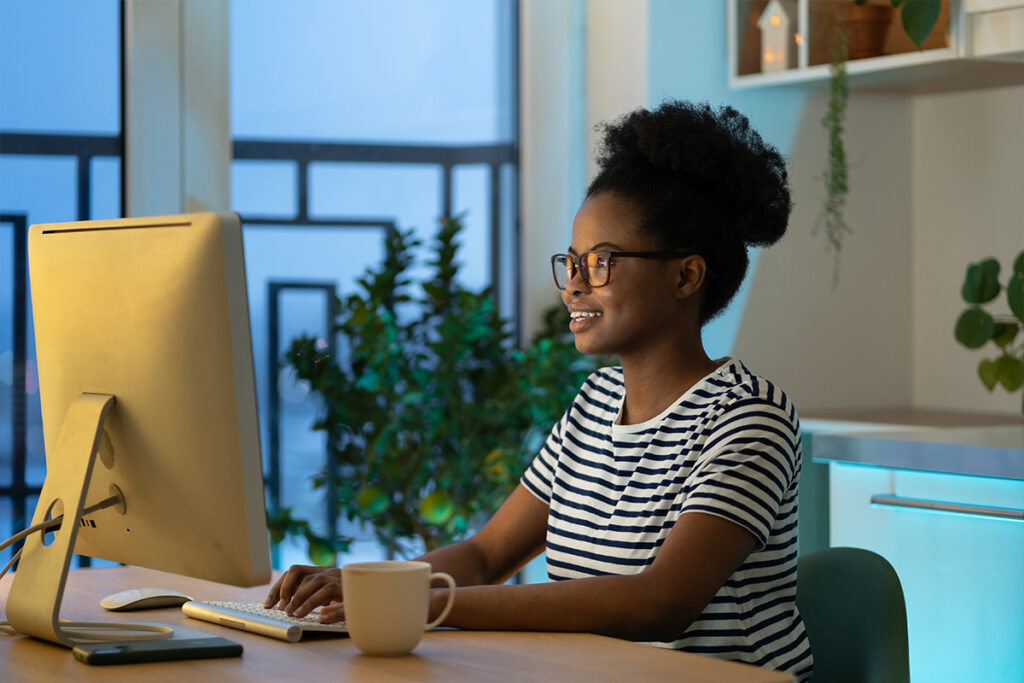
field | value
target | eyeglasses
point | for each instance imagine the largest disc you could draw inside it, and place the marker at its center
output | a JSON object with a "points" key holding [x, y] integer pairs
{"points": [[596, 266]]}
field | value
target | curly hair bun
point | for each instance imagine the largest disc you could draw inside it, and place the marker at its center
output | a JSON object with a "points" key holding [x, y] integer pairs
{"points": [[715, 152]]}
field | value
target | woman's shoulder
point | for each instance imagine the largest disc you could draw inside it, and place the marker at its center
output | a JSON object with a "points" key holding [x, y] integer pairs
{"points": [[743, 387], [608, 380]]}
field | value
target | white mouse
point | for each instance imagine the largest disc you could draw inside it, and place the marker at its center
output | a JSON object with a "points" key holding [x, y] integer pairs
{"points": [[143, 598]]}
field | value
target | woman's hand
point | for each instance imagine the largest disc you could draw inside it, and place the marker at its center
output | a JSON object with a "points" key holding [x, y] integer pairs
{"points": [[303, 588]]}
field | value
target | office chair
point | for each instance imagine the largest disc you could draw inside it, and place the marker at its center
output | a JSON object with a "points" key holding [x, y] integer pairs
{"points": [[852, 605]]}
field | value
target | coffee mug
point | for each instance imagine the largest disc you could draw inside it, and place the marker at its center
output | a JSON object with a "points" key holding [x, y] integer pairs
{"points": [[386, 604]]}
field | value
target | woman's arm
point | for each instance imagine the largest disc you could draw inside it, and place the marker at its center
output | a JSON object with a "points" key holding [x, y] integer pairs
{"points": [[510, 539], [658, 604]]}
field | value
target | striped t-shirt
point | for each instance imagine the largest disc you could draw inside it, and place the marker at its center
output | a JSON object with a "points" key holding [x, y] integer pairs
{"points": [[730, 446]]}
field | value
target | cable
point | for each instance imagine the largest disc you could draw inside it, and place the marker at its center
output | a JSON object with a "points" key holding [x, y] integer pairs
{"points": [[86, 631], [55, 523]]}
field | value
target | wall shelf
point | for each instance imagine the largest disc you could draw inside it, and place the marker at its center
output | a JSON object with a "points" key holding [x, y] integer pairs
{"points": [[975, 44]]}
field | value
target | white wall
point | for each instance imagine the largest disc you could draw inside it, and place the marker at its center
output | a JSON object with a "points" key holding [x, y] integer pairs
{"points": [[828, 349], [848, 347], [177, 127], [551, 143], [936, 182], [616, 67], [968, 170]]}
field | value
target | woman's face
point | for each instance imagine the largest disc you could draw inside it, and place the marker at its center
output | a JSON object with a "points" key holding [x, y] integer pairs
{"points": [[640, 303]]}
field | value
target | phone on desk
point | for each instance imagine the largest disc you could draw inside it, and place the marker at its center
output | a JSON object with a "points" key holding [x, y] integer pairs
{"points": [[168, 649]]}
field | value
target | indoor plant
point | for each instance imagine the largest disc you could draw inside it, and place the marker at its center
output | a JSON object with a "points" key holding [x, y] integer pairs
{"points": [[918, 18], [434, 412], [976, 327]]}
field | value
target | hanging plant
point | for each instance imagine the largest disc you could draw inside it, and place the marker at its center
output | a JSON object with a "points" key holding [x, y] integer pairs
{"points": [[832, 219], [918, 18]]}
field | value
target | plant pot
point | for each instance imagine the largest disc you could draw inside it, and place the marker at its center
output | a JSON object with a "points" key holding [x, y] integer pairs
{"points": [[865, 27]]}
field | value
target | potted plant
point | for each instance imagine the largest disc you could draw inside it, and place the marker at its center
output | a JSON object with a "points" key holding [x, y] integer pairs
{"points": [[434, 412], [859, 32], [977, 327]]}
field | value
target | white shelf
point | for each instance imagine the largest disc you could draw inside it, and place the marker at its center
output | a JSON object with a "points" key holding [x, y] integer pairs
{"points": [[945, 69]]}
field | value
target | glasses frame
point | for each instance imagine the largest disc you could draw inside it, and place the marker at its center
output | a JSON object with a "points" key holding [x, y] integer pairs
{"points": [[577, 263]]}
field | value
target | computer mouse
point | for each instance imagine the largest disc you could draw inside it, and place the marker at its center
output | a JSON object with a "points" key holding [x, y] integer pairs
{"points": [[143, 598]]}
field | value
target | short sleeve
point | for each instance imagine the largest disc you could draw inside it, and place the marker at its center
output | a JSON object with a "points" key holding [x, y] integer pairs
{"points": [[748, 464], [540, 475]]}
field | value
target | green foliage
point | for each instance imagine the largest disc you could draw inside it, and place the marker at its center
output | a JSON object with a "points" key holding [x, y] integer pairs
{"points": [[322, 549], [976, 327], [918, 18], [434, 411]]}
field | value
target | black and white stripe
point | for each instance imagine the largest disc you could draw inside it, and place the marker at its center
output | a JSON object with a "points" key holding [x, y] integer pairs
{"points": [[730, 447]]}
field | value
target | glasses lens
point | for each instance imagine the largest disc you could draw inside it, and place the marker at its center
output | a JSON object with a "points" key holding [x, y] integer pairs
{"points": [[598, 264], [562, 267]]}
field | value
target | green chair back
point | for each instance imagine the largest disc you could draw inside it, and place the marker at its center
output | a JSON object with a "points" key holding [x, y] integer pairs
{"points": [[852, 605]]}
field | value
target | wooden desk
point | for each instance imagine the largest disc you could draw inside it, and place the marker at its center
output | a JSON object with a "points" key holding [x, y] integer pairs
{"points": [[446, 656]]}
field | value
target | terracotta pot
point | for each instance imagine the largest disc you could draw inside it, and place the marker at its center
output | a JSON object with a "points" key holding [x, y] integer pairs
{"points": [[865, 27]]}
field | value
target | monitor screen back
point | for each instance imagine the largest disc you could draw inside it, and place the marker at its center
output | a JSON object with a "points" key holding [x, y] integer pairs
{"points": [[155, 312]]}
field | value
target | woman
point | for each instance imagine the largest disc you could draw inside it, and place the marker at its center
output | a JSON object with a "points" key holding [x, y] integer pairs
{"points": [[666, 495]]}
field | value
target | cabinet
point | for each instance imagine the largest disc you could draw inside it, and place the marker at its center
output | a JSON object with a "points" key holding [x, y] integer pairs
{"points": [[962, 574], [975, 44]]}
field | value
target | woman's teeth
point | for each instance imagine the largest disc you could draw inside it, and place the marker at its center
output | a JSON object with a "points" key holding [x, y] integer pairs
{"points": [[576, 315]]}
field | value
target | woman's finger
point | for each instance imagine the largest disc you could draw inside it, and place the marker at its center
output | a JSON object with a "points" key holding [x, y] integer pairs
{"points": [[333, 613], [285, 587], [326, 592], [311, 584]]}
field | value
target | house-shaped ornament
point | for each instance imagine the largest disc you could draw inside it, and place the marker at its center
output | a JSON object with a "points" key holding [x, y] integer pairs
{"points": [[774, 25]]}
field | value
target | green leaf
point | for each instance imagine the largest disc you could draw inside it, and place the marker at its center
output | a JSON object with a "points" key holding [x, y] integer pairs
{"points": [[1010, 372], [1018, 265], [919, 17], [1003, 334], [321, 552], [372, 500], [1015, 293], [981, 284], [988, 374], [437, 508], [974, 328]]}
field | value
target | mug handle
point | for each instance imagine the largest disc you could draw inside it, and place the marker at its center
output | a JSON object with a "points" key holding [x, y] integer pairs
{"points": [[451, 598]]}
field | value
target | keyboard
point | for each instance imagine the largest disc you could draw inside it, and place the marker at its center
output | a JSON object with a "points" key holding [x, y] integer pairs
{"points": [[255, 618]]}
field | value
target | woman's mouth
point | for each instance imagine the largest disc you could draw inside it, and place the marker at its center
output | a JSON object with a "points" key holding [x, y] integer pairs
{"points": [[581, 320]]}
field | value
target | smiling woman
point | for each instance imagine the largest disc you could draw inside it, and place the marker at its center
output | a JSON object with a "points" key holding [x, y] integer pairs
{"points": [[666, 496]]}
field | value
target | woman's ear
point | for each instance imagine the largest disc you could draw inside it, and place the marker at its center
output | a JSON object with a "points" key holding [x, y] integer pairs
{"points": [[692, 271]]}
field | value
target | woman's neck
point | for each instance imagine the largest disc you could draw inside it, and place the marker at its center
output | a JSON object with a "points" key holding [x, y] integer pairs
{"points": [[657, 377]]}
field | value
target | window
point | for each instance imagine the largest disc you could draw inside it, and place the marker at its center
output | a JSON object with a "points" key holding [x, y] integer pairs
{"points": [[60, 160], [350, 119]]}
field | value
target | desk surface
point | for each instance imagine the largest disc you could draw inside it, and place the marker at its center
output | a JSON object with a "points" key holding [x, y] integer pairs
{"points": [[445, 655]]}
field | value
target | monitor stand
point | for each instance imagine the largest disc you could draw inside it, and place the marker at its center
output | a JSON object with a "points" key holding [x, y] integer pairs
{"points": [[33, 605]]}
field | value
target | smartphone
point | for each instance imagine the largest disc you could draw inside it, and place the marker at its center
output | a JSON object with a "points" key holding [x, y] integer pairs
{"points": [[164, 650]]}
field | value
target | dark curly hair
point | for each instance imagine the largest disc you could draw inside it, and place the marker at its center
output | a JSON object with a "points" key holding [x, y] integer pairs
{"points": [[703, 181]]}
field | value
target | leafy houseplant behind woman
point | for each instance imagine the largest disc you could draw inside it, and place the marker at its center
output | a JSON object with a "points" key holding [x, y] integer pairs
{"points": [[433, 410]]}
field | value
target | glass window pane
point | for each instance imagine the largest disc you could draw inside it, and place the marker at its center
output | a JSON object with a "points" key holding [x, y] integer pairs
{"points": [[264, 188], [105, 192], [385, 70], [7, 384], [472, 201], [60, 104], [384, 105], [60, 66]]}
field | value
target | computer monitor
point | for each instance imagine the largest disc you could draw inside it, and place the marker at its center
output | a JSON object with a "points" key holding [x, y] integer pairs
{"points": [[147, 390]]}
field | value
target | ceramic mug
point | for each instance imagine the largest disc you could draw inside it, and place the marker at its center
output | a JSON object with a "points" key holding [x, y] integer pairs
{"points": [[386, 604]]}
